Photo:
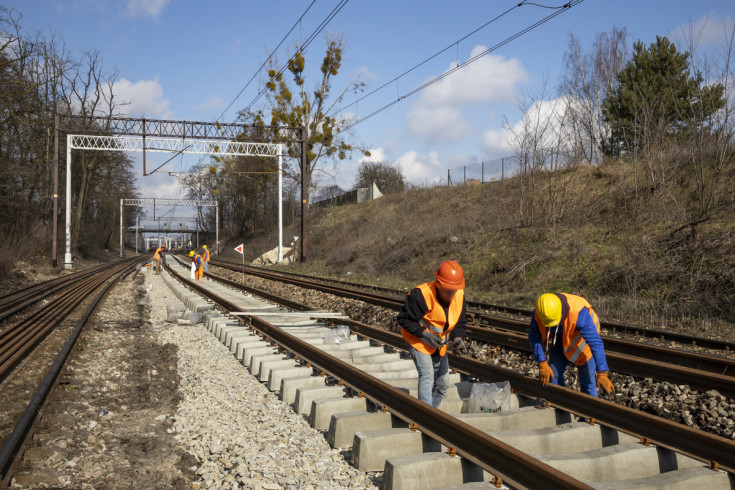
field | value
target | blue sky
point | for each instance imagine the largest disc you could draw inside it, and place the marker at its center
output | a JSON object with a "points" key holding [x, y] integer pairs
{"points": [[187, 59]]}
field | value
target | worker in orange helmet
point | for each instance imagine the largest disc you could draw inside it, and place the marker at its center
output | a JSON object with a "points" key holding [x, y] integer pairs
{"points": [[205, 257], [157, 258], [432, 319], [199, 264], [565, 330]]}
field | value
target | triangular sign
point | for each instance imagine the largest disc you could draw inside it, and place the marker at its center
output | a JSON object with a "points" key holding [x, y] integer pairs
{"points": [[240, 248]]}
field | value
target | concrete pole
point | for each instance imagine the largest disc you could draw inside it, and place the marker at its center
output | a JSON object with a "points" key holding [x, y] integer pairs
{"points": [[121, 227], [216, 227], [280, 203], [137, 231], [197, 233], [55, 226], [67, 255]]}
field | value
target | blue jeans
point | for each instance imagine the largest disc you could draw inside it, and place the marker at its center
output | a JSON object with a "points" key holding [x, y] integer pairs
{"points": [[206, 267], [558, 364], [433, 376]]}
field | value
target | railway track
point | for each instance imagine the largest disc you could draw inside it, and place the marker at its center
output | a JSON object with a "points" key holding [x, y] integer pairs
{"points": [[699, 371], [22, 337], [480, 309], [276, 344]]}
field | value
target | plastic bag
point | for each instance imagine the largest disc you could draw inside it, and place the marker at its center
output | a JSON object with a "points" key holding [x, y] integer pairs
{"points": [[144, 288], [174, 312], [193, 318], [489, 397], [193, 269], [337, 335]]}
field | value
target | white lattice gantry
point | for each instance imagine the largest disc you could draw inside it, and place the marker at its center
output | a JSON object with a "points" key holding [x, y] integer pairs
{"points": [[169, 145]]}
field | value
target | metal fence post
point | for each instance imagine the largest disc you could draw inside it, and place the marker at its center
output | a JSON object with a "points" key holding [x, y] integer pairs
{"points": [[482, 173], [502, 168]]}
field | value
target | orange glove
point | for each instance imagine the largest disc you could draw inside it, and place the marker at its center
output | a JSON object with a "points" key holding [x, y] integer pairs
{"points": [[545, 374], [604, 383]]}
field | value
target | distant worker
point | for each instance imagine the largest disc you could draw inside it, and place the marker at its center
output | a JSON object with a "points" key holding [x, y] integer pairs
{"points": [[205, 257], [198, 265], [433, 318], [157, 258], [565, 329]]}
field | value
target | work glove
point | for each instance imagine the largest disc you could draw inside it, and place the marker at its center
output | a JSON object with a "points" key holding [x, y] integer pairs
{"points": [[432, 339], [545, 374], [604, 383], [458, 346]]}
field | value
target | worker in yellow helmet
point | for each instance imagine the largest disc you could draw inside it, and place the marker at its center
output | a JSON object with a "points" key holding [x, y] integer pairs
{"points": [[565, 330], [198, 264]]}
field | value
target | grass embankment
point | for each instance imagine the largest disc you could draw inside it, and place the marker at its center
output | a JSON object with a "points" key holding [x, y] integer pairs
{"points": [[631, 251]]}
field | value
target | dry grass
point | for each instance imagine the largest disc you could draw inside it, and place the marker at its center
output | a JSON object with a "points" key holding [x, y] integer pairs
{"points": [[624, 250]]}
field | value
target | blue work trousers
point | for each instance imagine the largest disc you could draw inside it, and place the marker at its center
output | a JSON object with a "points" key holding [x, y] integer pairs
{"points": [[433, 376]]}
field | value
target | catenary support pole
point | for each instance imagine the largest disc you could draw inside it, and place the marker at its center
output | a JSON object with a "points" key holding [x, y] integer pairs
{"points": [[121, 227], [280, 205], [216, 228], [55, 221], [304, 195], [67, 227], [137, 232]]}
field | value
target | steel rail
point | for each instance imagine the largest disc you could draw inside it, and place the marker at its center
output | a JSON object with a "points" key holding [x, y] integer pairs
{"points": [[20, 338], [701, 372], [489, 453], [701, 445], [478, 307], [19, 299], [13, 443]]}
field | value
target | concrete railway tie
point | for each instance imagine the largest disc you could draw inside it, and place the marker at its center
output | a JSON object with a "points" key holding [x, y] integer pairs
{"points": [[379, 441]]}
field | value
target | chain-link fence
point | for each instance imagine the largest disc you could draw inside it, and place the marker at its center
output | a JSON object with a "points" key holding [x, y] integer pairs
{"points": [[478, 173]]}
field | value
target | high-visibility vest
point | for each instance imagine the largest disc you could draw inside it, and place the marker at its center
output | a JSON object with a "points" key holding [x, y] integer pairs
{"points": [[206, 255], [157, 255], [435, 319], [576, 349], [201, 262]]}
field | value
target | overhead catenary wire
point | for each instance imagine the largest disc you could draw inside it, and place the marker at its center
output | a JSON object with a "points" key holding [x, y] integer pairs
{"points": [[561, 9], [273, 52], [426, 60], [301, 48]]}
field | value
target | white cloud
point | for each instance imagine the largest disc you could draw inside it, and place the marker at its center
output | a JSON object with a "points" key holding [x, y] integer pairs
{"points": [[546, 124], [421, 168], [211, 104], [142, 98], [437, 114], [145, 8], [709, 30]]}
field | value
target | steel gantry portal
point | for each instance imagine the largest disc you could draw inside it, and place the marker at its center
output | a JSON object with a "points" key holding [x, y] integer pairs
{"points": [[153, 201], [158, 135]]}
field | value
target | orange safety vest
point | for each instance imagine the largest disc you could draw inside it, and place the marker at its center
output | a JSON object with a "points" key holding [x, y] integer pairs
{"points": [[435, 320], [576, 349], [157, 255], [206, 255], [195, 261]]}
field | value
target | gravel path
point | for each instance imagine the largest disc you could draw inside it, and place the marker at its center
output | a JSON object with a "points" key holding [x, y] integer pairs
{"points": [[241, 434]]}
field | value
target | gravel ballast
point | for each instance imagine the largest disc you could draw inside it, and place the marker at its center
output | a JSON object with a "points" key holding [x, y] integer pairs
{"points": [[241, 434]]}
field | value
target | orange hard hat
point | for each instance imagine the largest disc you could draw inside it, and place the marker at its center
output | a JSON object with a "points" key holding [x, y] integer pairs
{"points": [[449, 275]]}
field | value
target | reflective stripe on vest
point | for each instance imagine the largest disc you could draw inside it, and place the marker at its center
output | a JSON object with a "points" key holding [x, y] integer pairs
{"points": [[435, 320], [575, 347]]}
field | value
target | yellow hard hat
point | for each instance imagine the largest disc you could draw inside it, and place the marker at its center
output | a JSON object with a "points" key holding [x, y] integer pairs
{"points": [[548, 308], [204, 246], [191, 254]]}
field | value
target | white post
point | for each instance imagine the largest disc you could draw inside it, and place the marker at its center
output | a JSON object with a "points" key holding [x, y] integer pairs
{"points": [[121, 227], [216, 228], [67, 255], [137, 231], [280, 203]]}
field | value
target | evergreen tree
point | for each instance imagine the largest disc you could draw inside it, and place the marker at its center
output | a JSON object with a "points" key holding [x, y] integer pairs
{"points": [[657, 97]]}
